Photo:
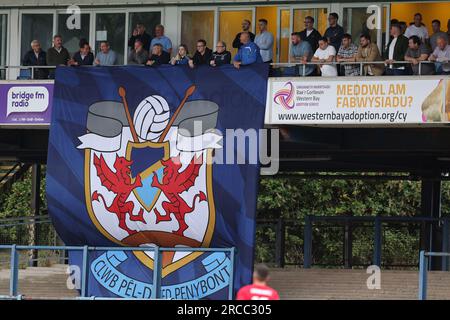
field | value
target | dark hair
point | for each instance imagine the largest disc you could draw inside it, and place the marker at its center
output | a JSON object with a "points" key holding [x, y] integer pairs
{"points": [[263, 21], [57, 36], [418, 14], [366, 36], [140, 24], [394, 21], [347, 36], [296, 34], [310, 18], [82, 43], [105, 42], [323, 39], [261, 272], [158, 45], [335, 15], [202, 41], [185, 47], [436, 21], [401, 23], [396, 25], [138, 40], [415, 40]]}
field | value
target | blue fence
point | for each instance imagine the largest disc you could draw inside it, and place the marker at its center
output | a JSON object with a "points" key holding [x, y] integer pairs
{"points": [[423, 270], [377, 223], [156, 291]]}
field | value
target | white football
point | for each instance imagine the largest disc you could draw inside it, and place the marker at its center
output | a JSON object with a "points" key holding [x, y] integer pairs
{"points": [[151, 118]]}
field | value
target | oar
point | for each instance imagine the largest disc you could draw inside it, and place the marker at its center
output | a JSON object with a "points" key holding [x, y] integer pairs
{"points": [[187, 94], [123, 93]]}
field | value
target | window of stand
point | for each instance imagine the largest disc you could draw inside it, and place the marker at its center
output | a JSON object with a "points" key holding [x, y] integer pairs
{"points": [[197, 25], [3, 42]]}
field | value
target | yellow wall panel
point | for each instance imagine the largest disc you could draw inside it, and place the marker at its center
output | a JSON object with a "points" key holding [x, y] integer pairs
{"points": [[230, 23], [430, 11]]}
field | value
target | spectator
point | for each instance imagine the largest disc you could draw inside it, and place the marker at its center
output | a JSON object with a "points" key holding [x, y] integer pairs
{"points": [[395, 51], [310, 34], [221, 56], [368, 52], [158, 56], [441, 56], [301, 52], [335, 32], [245, 28], [417, 29], [162, 39], [182, 57], [264, 40], [57, 55], [437, 32], [248, 53], [259, 290], [347, 53], [417, 52], [138, 55], [403, 27], [202, 56], [448, 29], [36, 57], [325, 54], [106, 56], [83, 57], [139, 33]]}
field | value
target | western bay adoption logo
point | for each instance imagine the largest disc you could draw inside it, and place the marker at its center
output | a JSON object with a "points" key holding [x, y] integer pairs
{"points": [[285, 96], [148, 181]]}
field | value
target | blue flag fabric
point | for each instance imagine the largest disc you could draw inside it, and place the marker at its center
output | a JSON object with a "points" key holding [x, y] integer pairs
{"points": [[130, 164]]}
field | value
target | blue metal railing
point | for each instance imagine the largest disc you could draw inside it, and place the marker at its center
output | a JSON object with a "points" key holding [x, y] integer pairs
{"points": [[423, 270], [156, 291], [378, 228]]}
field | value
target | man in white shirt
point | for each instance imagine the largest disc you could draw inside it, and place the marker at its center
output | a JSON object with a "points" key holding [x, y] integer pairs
{"points": [[264, 40], [325, 54], [417, 29], [441, 56]]}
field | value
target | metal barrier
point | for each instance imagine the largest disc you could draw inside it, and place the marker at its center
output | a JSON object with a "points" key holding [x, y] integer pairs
{"points": [[377, 222], [423, 270], [361, 64], [156, 290]]}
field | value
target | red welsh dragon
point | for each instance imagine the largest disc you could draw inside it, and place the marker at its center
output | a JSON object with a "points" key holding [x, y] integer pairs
{"points": [[118, 182], [173, 184]]}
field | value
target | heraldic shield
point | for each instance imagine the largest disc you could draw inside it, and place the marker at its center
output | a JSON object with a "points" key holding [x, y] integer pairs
{"points": [[148, 180]]}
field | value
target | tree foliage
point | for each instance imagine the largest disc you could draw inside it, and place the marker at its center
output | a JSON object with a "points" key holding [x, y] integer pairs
{"points": [[293, 199]]}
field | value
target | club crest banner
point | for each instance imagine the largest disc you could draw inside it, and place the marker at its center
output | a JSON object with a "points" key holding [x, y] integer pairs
{"points": [[133, 161]]}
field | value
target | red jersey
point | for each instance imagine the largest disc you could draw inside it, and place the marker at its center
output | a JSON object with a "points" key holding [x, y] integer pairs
{"points": [[257, 292]]}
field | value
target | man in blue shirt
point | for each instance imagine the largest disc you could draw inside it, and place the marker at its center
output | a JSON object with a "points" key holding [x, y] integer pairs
{"points": [[248, 53], [301, 52], [106, 56], [161, 39]]}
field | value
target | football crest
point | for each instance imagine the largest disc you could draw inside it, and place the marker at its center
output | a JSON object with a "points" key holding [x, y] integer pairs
{"points": [[148, 178]]}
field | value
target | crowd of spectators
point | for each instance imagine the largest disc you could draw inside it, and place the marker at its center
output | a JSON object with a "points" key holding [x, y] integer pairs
{"points": [[410, 50]]}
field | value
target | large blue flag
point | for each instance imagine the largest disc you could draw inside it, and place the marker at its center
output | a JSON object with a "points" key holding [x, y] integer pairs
{"points": [[142, 156]]}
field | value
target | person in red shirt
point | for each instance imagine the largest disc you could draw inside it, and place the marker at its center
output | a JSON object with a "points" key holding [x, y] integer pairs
{"points": [[259, 290]]}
